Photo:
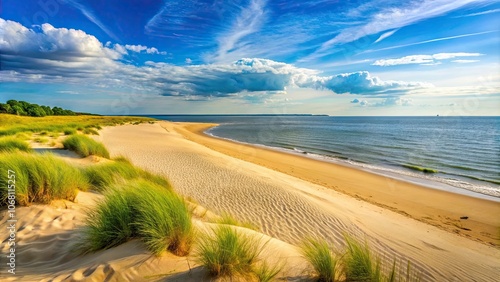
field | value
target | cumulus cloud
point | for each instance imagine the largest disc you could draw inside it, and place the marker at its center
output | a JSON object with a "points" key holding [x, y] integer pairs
{"points": [[423, 59], [72, 56], [140, 48], [355, 83]]}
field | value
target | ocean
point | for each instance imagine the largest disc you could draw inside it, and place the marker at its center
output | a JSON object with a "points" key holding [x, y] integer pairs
{"points": [[457, 154]]}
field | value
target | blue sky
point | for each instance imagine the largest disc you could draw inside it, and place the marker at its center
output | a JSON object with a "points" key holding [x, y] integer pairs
{"points": [[378, 57]]}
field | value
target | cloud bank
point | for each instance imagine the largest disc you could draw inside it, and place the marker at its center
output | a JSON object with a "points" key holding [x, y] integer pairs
{"points": [[424, 59], [59, 55]]}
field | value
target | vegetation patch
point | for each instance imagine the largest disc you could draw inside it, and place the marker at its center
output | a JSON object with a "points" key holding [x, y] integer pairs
{"points": [[227, 252], [10, 144], [143, 210], [85, 146], [325, 264], [120, 171], [39, 178]]}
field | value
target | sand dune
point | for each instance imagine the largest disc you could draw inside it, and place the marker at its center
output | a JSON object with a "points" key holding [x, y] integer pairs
{"points": [[289, 208], [45, 250], [283, 206]]}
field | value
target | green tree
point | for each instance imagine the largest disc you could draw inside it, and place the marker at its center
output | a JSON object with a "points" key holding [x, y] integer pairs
{"points": [[5, 108]]}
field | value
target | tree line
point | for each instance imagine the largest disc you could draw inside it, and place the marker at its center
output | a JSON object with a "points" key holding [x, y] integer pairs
{"points": [[22, 108]]}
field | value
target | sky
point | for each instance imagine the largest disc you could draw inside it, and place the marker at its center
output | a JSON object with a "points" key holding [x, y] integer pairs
{"points": [[345, 58]]}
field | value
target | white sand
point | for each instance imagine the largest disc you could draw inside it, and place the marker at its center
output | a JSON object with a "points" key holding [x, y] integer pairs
{"points": [[289, 209]]}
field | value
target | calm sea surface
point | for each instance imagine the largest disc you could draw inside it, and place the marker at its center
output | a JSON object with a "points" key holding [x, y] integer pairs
{"points": [[460, 154]]}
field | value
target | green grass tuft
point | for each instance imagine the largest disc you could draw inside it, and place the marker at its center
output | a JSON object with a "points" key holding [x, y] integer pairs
{"points": [[266, 273], [90, 131], [39, 178], [10, 144], [143, 210], [319, 255], [359, 262], [101, 176], [85, 146], [227, 252], [69, 131]]}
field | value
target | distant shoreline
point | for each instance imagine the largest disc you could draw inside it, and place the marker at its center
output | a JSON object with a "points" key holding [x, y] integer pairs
{"points": [[417, 181]]}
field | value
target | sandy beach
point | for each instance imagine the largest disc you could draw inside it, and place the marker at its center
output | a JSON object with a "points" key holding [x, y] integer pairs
{"points": [[290, 197]]}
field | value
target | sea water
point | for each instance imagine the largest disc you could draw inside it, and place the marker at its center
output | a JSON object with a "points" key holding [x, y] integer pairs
{"points": [[459, 154]]}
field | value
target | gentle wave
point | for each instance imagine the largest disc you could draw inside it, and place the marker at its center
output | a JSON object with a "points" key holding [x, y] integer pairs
{"points": [[457, 183]]}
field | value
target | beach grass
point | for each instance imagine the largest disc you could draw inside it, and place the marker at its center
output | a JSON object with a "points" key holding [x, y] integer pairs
{"points": [[69, 131], [266, 272], [227, 252], [360, 264], [85, 146], [164, 222], [90, 131], [325, 264], [39, 178], [119, 171], [144, 210], [12, 144], [13, 124]]}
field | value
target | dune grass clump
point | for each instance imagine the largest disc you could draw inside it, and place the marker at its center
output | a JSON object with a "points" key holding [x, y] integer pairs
{"points": [[120, 171], [360, 264], [143, 210], [69, 131], [10, 144], [318, 253], [40, 178], [90, 131], [266, 272], [85, 146], [227, 252]]}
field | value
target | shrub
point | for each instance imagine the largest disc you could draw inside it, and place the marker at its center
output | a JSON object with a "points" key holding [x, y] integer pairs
{"points": [[318, 254], [102, 176], [85, 146], [143, 210], [227, 252], [69, 131], [359, 263], [40, 178], [9, 144]]}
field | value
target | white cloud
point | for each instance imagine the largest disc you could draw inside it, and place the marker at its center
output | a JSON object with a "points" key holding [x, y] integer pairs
{"points": [[189, 61], [140, 48], [423, 59], [385, 35], [72, 56], [392, 18], [249, 20], [464, 61], [90, 16]]}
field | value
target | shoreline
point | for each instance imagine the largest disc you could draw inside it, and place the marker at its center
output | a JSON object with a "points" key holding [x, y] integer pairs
{"points": [[436, 207], [427, 183]]}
